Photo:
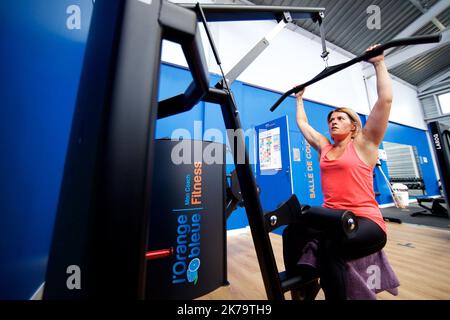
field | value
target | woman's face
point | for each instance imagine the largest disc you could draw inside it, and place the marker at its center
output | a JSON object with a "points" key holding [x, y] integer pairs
{"points": [[340, 125]]}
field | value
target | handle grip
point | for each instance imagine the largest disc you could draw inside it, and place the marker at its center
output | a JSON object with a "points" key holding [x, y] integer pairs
{"points": [[366, 56]]}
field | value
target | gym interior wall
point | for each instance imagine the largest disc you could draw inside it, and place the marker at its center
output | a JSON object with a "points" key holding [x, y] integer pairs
{"points": [[41, 57]]}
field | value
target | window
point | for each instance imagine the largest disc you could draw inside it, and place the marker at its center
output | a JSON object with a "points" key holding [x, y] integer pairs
{"points": [[444, 101], [404, 166]]}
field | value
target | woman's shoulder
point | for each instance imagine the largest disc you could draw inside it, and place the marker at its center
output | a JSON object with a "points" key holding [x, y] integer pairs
{"points": [[328, 145], [361, 142], [325, 148], [366, 150]]}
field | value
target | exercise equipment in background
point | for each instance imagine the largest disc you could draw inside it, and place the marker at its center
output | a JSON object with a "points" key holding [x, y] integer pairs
{"points": [[394, 197], [440, 136]]}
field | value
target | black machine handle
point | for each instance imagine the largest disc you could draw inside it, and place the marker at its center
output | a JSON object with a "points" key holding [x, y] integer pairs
{"points": [[366, 56], [181, 27]]}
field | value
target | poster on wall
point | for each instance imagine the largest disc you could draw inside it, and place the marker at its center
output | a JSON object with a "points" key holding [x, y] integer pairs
{"points": [[270, 149]]}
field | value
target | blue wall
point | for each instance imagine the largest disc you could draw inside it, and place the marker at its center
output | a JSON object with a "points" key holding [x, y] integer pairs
{"points": [[174, 81], [40, 59]]}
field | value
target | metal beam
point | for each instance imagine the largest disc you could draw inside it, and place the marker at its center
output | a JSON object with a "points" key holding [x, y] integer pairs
{"points": [[424, 19], [240, 67], [428, 16], [226, 12], [434, 20], [443, 88], [434, 80]]}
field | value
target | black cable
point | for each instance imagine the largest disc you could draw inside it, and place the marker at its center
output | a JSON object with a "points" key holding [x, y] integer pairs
{"points": [[211, 41]]}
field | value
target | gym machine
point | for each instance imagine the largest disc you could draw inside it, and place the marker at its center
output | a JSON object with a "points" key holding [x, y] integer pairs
{"points": [[440, 135], [102, 221]]}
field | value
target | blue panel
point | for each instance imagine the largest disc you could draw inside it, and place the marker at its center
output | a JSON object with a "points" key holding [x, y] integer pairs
{"points": [[255, 110], [272, 197], [174, 81], [299, 173], [306, 171], [380, 184], [309, 173], [41, 50], [237, 220], [215, 130]]}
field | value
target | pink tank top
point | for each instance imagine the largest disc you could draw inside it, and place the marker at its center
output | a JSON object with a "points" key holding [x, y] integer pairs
{"points": [[347, 183]]}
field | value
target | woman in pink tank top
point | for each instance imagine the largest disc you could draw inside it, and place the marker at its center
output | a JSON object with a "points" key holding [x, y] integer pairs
{"points": [[346, 166]]}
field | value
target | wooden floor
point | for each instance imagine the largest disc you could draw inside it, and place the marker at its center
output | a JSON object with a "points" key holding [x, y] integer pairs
{"points": [[420, 256]]}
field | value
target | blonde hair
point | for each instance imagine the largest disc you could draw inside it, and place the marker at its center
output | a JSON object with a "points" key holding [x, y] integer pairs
{"points": [[354, 118]]}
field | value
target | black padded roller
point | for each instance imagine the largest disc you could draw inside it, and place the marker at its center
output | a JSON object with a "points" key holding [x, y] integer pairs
{"points": [[330, 219]]}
